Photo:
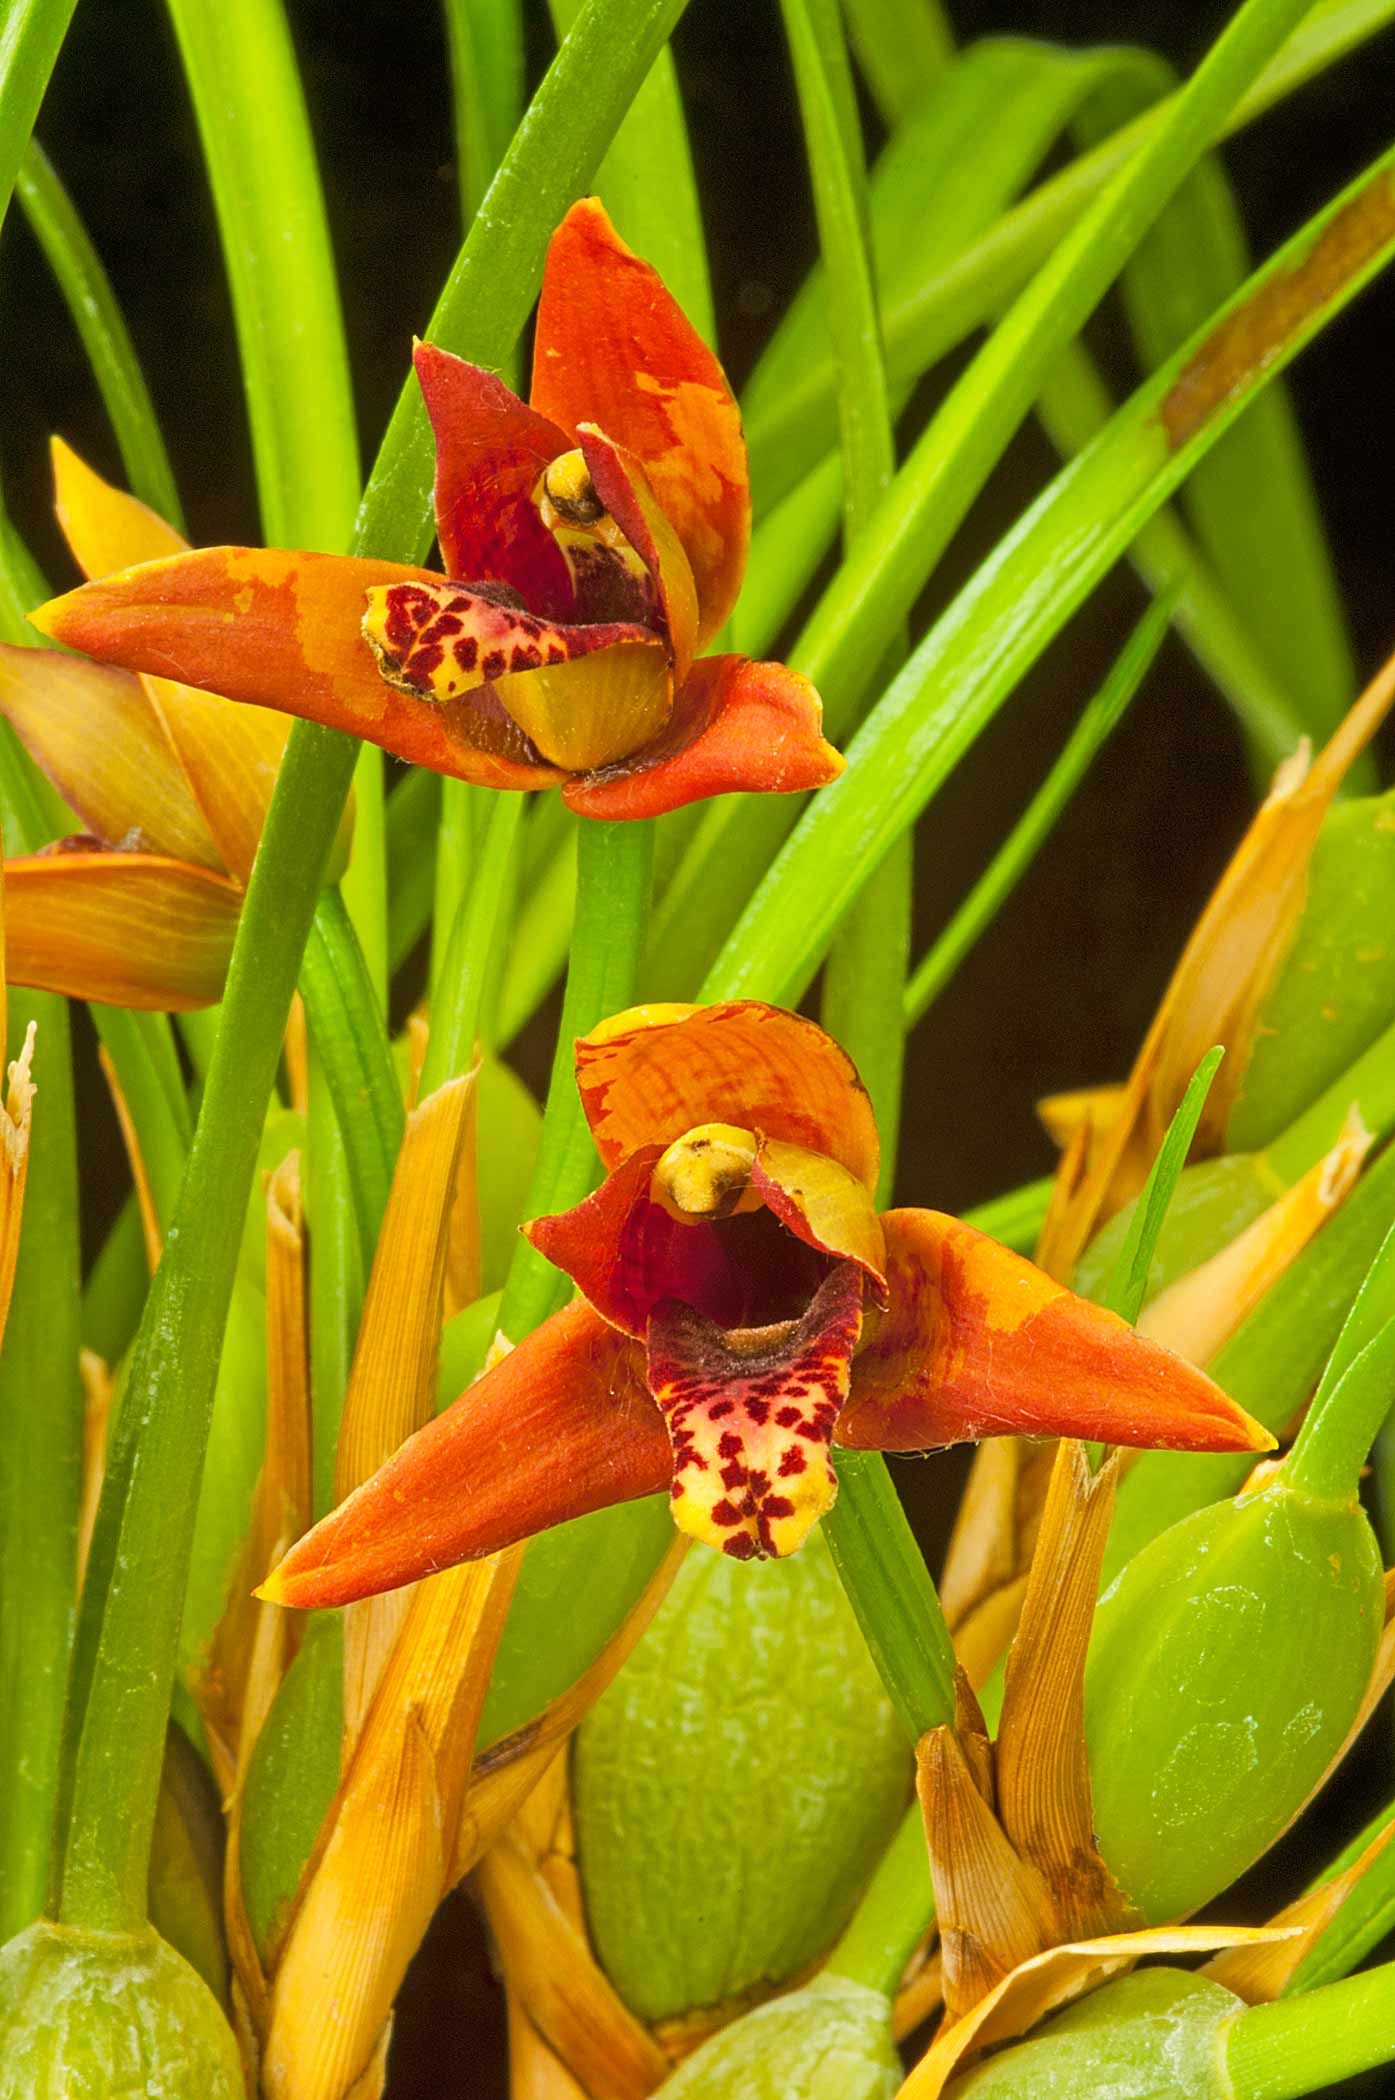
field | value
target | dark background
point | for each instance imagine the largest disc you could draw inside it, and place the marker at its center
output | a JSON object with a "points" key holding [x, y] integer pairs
{"points": [[1060, 990]]}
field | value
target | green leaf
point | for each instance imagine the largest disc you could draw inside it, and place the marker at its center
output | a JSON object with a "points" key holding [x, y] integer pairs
{"points": [[1034, 827], [34, 33], [902, 48], [999, 623], [98, 319], [1128, 1283]]}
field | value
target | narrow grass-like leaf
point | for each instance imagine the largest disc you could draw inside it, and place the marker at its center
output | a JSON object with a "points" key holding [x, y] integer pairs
{"points": [[1040, 573], [902, 47], [457, 1010], [266, 188], [1032, 829], [32, 39], [1269, 557], [98, 319], [1306, 2044], [923, 320], [141, 1540], [1128, 1283], [1073, 408], [486, 78], [350, 1037], [1364, 1920]]}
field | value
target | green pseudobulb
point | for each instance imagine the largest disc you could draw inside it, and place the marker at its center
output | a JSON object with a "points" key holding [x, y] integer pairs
{"points": [[1228, 1662], [735, 1786], [1157, 2035], [97, 2016], [830, 2041]]}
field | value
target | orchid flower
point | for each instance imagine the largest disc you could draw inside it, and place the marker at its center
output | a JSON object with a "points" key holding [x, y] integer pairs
{"points": [[593, 541], [742, 1309], [172, 786]]}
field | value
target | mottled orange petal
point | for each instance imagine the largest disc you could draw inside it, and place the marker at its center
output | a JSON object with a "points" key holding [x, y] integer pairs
{"points": [[980, 1343], [127, 929], [737, 727], [490, 452], [105, 527], [94, 732], [750, 1415], [563, 1424], [285, 631], [823, 1204], [620, 483], [613, 347], [649, 1074]]}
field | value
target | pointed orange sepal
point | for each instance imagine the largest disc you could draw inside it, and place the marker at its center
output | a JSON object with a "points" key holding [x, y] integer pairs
{"points": [[613, 347], [562, 1425], [652, 1073], [285, 631], [737, 727], [125, 929], [980, 1343]]}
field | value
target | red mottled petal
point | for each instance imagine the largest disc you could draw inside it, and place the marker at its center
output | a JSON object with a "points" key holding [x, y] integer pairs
{"points": [[738, 726], [614, 347], [626, 1253], [619, 482], [562, 1425], [751, 1418], [284, 631], [653, 1073], [490, 451], [125, 929], [979, 1342]]}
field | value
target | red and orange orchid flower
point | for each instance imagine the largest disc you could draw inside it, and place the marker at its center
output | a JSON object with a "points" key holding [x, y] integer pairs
{"points": [[743, 1308], [593, 542], [172, 785]]}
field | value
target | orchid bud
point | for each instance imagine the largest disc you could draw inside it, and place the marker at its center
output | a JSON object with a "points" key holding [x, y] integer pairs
{"points": [[722, 1847], [1158, 2031], [86, 2015], [830, 2041]]}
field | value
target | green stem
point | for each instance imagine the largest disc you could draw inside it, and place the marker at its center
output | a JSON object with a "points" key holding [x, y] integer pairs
{"points": [[364, 882], [337, 1277], [889, 1587], [1303, 2045], [98, 319], [486, 79], [894, 1914], [613, 864], [464, 812], [457, 1009]]}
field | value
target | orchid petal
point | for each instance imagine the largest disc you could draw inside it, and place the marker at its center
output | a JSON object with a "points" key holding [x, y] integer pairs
{"points": [[490, 454], [284, 631], [230, 756], [980, 1343], [126, 929], [613, 347], [620, 484], [823, 1204], [738, 726], [750, 1415], [652, 1073], [105, 527], [562, 1425], [94, 732]]}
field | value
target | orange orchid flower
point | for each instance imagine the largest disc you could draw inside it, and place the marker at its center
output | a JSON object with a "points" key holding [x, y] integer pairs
{"points": [[743, 1308], [593, 542], [172, 785]]}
